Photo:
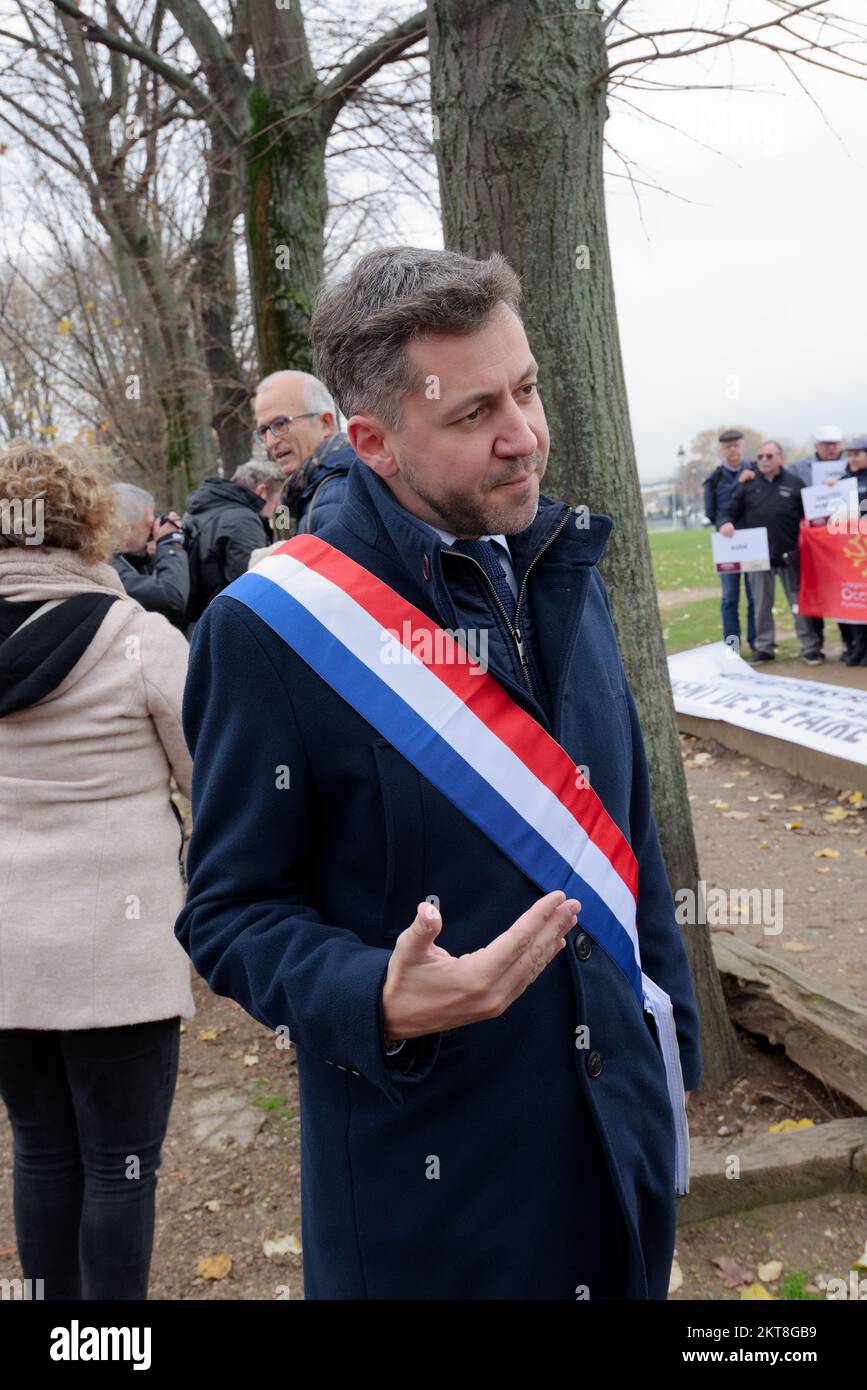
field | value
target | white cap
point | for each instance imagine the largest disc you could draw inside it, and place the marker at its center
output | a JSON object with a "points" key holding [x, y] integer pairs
{"points": [[828, 434]]}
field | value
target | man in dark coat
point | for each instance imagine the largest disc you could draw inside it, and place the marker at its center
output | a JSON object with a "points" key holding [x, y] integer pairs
{"points": [[151, 560], [718, 488], [771, 498], [468, 1132], [225, 522]]}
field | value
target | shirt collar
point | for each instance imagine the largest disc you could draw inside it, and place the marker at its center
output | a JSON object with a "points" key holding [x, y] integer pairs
{"points": [[449, 538]]}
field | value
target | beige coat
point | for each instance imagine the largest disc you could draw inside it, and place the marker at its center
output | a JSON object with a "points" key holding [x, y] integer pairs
{"points": [[90, 884]]}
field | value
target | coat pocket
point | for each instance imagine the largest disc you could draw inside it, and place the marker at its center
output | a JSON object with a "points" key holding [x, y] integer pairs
{"points": [[402, 791]]}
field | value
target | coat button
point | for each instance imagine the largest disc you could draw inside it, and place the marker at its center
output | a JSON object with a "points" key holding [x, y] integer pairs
{"points": [[594, 1063], [583, 945]]}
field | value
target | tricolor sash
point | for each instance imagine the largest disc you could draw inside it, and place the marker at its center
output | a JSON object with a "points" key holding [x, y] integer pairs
{"points": [[415, 683]]}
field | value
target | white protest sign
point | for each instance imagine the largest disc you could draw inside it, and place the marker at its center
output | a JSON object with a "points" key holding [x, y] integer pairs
{"points": [[713, 682], [745, 550], [823, 469], [820, 502]]}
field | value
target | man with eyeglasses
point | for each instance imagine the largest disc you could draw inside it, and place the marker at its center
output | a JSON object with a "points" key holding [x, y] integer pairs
{"points": [[773, 499], [828, 441], [296, 420]]}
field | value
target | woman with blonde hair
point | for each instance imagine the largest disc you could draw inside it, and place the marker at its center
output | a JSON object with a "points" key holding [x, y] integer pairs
{"points": [[92, 980]]}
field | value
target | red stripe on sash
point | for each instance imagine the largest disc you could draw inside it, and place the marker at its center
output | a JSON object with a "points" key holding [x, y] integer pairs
{"points": [[480, 692]]}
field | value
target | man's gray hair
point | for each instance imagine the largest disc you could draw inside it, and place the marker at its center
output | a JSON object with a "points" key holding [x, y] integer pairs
{"points": [[313, 393], [132, 503], [360, 327], [779, 448], [254, 472]]}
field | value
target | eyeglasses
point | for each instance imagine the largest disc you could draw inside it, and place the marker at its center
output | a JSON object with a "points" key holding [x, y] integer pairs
{"points": [[766, 456], [280, 425]]}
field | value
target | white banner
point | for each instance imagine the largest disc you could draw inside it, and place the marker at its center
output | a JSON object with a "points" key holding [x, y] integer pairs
{"points": [[713, 682]]}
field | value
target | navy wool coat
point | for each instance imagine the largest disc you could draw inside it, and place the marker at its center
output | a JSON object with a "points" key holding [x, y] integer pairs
{"points": [[504, 1159]]}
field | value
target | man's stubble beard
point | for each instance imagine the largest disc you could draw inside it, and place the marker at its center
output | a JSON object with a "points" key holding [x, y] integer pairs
{"points": [[467, 518]]}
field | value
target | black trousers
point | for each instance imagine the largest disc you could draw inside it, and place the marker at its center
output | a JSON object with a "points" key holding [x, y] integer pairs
{"points": [[88, 1110]]}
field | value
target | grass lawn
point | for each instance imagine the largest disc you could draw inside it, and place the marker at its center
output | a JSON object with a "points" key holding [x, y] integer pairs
{"points": [[682, 560]]}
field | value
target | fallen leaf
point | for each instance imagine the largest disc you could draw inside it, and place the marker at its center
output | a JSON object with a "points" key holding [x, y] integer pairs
{"points": [[251, 1059], [214, 1266], [786, 1126], [826, 853], [720, 805], [795, 807], [764, 845], [736, 815], [862, 850], [822, 869], [732, 1271], [861, 1262], [774, 796], [675, 1279], [282, 1245], [754, 1292], [213, 1205], [793, 825], [837, 813], [754, 798], [797, 946], [770, 1273], [209, 1034]]}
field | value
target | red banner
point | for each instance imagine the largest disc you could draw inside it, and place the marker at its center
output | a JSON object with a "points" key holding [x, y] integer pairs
{"points": [[833, 575]]}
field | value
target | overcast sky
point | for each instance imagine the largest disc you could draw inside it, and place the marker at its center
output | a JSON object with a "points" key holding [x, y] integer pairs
{"points": [[747, 305]]}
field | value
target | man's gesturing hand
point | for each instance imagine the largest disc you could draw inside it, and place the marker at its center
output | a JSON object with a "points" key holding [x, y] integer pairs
{"points": [[427, 990]]}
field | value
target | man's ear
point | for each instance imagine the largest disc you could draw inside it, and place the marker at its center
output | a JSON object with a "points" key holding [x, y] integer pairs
{"points": [[367, 436], [329, 424]]}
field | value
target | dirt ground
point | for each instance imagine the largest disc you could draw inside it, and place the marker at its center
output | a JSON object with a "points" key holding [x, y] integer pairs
{"points": [[802, 845], [228, 1200]]}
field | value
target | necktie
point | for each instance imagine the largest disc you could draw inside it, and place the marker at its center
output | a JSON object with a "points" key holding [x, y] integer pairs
{"points": [[485, 554]]}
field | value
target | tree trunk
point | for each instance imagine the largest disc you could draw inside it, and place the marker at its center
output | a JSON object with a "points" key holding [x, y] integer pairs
{"points": [[519, 151], [286, 209]]}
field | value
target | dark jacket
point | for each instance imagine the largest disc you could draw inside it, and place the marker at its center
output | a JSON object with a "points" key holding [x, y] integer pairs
{"points": [[159, 582], [223, 528], [775, 504], [547, 1173], [718, 488], [315, 494]]}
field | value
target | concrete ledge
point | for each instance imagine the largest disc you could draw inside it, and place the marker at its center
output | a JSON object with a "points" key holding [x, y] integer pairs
{"points": [[828, 771], [774, 1168]]}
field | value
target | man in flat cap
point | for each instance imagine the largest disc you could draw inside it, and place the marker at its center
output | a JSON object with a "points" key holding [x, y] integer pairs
{"points": [[718, 489]]}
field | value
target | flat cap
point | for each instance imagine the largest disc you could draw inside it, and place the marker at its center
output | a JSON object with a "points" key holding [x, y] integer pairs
{"points": [[728, 436]]}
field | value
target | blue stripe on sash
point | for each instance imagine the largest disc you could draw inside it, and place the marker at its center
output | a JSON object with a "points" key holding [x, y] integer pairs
{"points": [[435, 759]]}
